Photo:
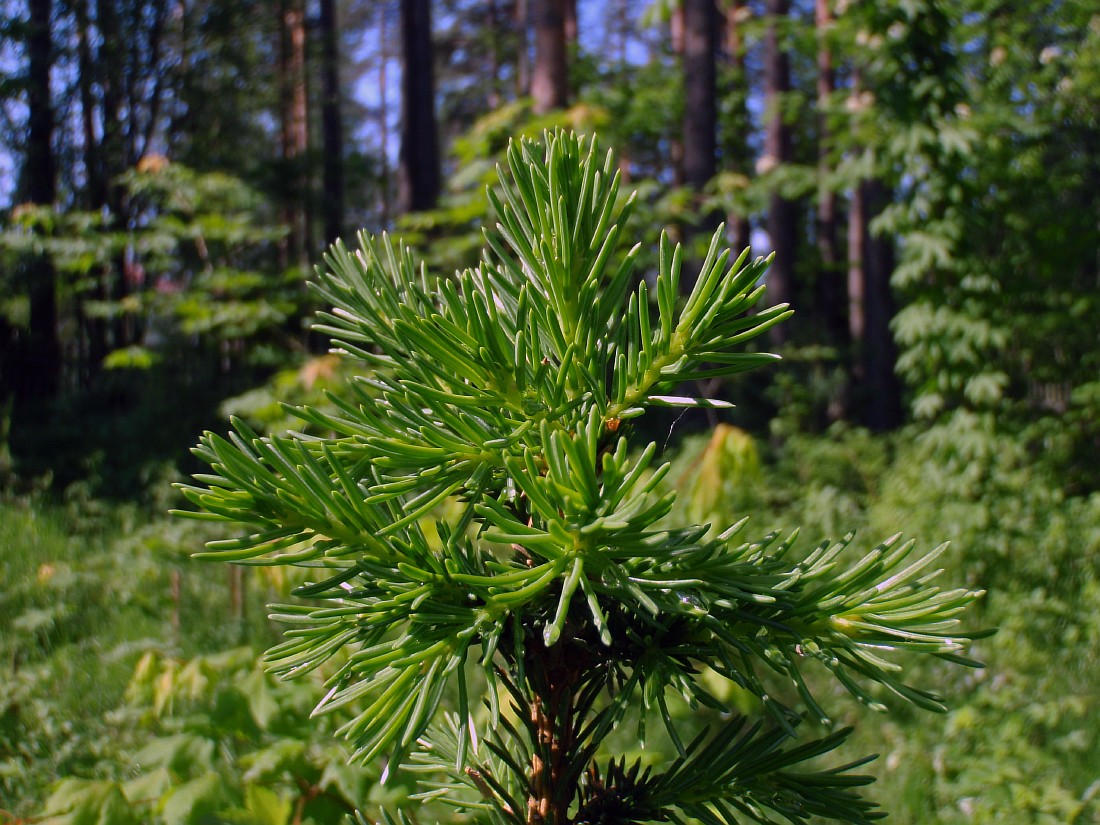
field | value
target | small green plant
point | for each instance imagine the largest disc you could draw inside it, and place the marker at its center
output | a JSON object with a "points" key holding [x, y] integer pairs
{"points": [[554, 587]]}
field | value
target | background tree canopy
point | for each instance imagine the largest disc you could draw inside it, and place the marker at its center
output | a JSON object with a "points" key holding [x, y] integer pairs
{"points": [[927, 174]]}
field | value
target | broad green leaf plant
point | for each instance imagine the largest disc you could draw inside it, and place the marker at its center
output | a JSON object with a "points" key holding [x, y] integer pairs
{"points": [[553, 592]]}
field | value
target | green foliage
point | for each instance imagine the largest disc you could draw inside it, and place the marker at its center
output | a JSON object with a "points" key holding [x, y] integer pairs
{"points": [[60, 602], [1019, 742], [216, 737], [202, 314], [111, 707], [511, 388], [980, 121]]}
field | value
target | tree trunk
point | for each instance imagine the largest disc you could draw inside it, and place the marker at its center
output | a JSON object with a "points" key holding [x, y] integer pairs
{"points": [[492, 22], [332, 126], [110, 63], [419, 154], [40, 365], [523, 56], [736, 145], [550, 78], [699, 138], [110, 66], [782, 212], [700, 124], [293, 105], [569, 9], [856, 230], [676, 143], [830, 286], [95, 191], [39, 173], [882, 390], [384, 114]]}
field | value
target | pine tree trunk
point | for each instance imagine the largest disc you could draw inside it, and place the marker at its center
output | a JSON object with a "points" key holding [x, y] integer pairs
{"points": [[830, 283], [95, 193], [293, 105], [109, 65], [882, 394], [492, 21], [569, 9], [384, 115], [856, 229], [699, 129], [700, 124], [40, 365], [737, 145], [676, 144], [332, 126], [155, 98], [523, 57], [419, 155], [782, 212], [550, 77]]}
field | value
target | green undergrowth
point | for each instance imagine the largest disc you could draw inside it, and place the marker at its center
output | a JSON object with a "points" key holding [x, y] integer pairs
{"points": [[132, 688], [1020, 743], [130, 682]]}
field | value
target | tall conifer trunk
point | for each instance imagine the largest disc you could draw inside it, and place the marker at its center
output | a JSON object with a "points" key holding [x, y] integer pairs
{"points": [[782, 212], [676, 36], [737, 144], [856, 230], [95, 193], [419, 154], [523, 56], [384, 114], [870, 311], [700, 126], [830, 282], [871, 301], [699, 129], [492, 58], [569, 10], [293, 105], [39, 371], [332, 124], [550, 77], [882, 390]]}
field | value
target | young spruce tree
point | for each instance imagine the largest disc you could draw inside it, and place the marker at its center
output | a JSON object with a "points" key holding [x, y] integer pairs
{"points": [[557, 592]]}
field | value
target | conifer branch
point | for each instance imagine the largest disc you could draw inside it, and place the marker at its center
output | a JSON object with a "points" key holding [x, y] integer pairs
{"points": [[502, 391]]}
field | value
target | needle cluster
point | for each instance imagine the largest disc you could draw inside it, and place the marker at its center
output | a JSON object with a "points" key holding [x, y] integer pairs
{"points": [[555, 589]]}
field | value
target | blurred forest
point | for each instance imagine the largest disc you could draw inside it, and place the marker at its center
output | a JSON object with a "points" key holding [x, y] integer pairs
{"points": [[926, 172]]}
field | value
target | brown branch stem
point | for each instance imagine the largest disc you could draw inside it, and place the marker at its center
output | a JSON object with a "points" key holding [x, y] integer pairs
{"points": [[552, 715]]}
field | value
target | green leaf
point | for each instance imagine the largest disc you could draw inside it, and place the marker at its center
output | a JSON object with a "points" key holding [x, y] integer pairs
{"points": [[86, 802], [267, 807], [197, 801]]}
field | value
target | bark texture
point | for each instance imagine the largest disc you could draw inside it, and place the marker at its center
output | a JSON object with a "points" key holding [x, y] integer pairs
{"points": [[700, 126], [882, 389], [737, 144], [39, 371], [550, 75], [332, 124], [830, 281], [294, 113], [418, 173], [782, 212]]}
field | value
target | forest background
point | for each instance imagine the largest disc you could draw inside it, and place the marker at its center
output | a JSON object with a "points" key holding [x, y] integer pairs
{"points": [[928, 174]]}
